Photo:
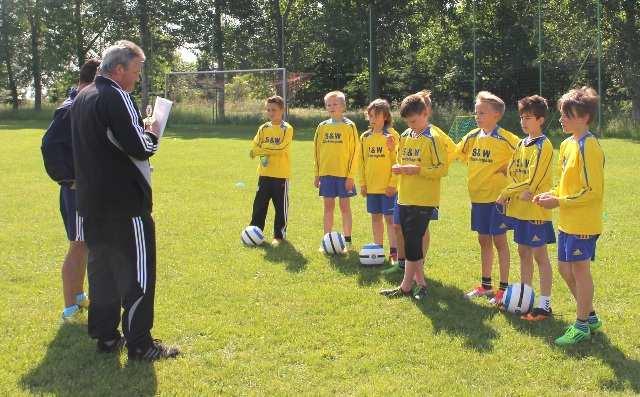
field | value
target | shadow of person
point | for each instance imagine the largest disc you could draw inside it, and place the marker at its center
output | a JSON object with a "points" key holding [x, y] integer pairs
{"points": [[455, 315], [348, 264], [626, 370], [286, 253], [72, 366]]}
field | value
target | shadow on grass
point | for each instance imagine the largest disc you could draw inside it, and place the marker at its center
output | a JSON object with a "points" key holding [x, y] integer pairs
{"points": [[286, 253], [626, 370], [73, 367]]}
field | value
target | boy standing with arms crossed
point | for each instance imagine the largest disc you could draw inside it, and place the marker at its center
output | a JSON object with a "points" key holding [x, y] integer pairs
{"points": [[336, 152], [579, 196], [486, 151], [530, 174], [272, 143]]}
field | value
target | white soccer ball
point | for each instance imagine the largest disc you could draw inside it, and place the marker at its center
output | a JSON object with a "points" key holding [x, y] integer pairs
{"points": [[333, 243], [252, 236], [372, 255], [518, 298]]}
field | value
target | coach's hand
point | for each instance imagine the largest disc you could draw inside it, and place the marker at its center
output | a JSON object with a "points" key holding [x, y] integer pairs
{"points": [[349, 184], [153, 128]]}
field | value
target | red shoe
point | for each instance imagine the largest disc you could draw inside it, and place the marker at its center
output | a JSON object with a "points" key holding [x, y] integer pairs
{"points": [[497, 298], [478, 292]]}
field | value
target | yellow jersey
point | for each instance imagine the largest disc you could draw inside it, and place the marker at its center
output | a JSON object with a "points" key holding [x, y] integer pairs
{"points": [[336, 148], [272, 144], [376, 160], [486, 156], [529, 170], [581, 186], [426, 149]]}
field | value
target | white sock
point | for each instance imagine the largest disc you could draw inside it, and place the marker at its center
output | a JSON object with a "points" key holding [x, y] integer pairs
{"points": [[544, 302]]}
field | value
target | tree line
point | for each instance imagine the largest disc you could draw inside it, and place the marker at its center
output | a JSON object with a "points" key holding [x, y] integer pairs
{"points": [[454, 48]]}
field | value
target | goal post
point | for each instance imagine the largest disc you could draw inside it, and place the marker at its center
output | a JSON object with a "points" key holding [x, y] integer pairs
{"points": [[215, 96]]}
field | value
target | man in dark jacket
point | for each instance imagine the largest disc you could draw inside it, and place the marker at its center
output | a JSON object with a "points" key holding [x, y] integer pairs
{"points": [[111, 149], [60, 157]]}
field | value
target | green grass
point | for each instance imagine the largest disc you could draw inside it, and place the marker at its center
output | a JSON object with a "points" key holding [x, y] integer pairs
{"points": [[287, 321]]}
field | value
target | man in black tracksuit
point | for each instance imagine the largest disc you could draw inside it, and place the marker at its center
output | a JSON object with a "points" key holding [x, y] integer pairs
{"points": [[111, 150]]}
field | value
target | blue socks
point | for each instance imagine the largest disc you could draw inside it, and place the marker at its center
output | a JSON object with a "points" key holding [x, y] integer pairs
{"points": [[582, 325], [593, 318], [80, 297]]}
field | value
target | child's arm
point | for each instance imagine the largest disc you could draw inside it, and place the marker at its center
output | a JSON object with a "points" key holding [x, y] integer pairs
{"points": [[393, 180], [272, 149], [363, 180], [316, 165], [593, 180], [539, 167], [354, 148], [255, 143]]}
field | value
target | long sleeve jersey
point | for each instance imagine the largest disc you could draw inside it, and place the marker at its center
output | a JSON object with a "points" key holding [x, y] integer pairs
{"points": [[426, 149], [336, 148], [486, 154], [377, 159], [274, 142], [529, 170], [581, 186]]}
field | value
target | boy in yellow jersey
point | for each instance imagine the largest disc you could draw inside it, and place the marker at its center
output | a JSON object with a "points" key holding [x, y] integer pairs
{"points": [[272, 144], [422, 162], [579, 195], [486, 151], [450, 148], [530, 174], [379, 148], [336, 153]]}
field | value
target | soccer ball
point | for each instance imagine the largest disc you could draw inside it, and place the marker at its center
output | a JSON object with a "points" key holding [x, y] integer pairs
{"points": [[519, 298], [372, 255], [252, 236], [333, 243]]}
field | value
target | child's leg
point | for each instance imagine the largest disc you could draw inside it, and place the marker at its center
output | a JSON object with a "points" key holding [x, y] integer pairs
{"points": [[502, 245], [73, 271], [391, 231], [260, 204], [410, 269], [426, 240], [280, 199], [399, 241], [486, 254], [564, 268], [377, 225], [329, 206], [345, 210], [526, 263], [584, 288], [544, 265]]}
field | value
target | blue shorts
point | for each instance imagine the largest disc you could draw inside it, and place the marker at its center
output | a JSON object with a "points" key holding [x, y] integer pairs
{"points": [[381, 204], [576, 247], [533, 233], [333, 186], [68, 210], [396, 214], [489, 218]]}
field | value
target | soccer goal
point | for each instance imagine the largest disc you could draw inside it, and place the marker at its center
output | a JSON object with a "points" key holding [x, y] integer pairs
{"points": [[216, 96]]}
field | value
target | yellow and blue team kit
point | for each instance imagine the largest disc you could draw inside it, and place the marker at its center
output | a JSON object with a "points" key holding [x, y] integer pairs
{"points": [[581, 186], [376, 160], [336, 149], [426, 149], [486, 155], [272, 143]]}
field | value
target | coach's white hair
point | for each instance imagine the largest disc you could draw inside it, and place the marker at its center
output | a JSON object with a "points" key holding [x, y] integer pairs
{"points": [[120, 53]]}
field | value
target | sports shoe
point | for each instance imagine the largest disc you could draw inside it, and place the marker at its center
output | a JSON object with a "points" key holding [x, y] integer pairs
{"points": [[497, 298], [478, 292], [572, 336], [537, 314], [395, 293], [84, 303], [593, 327], [420, 292], [157, 351], [75, 318], [276, 242], [111, 346]]}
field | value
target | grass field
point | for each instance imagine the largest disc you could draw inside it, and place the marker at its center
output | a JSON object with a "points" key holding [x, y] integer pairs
{"points": [[290, 320]]}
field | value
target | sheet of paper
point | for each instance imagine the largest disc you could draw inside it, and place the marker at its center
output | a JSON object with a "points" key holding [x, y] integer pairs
{"points": [[161, 111]]}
